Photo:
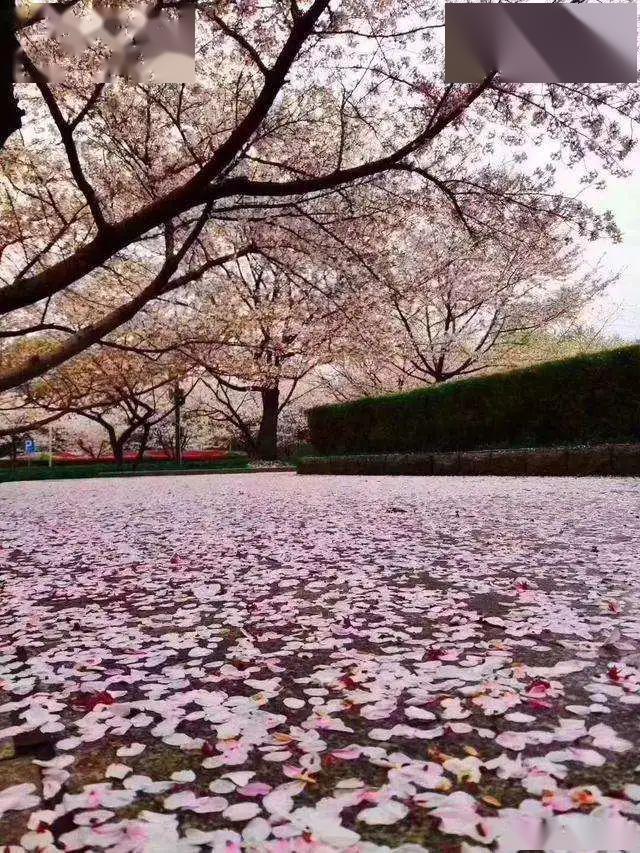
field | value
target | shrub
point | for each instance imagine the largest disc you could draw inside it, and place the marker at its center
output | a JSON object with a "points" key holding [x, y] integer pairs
{"points": [[190, 459], [68, 472], [589, 399]]}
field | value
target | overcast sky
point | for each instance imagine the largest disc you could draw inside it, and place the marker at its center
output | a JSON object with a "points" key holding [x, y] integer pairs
{"points": [[622, 304]]}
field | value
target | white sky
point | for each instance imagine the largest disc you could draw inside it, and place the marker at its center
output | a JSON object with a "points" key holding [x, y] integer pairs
{"points": [[623, 302]]}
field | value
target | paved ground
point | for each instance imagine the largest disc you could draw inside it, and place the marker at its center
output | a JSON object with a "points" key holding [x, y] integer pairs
{"points": [[282, 663]]}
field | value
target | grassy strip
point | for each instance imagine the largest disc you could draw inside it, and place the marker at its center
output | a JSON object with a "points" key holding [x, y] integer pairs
{"points": [[245, 470], [176, 472], [73, 472]]}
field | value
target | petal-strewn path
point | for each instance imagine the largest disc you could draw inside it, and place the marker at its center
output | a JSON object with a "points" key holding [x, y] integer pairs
{"points": [[279, 663]]}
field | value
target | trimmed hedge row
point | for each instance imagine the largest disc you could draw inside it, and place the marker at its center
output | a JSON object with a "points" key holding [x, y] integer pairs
{"points": [[622, 460], [190, 457], [590, 399], [71, 472]]}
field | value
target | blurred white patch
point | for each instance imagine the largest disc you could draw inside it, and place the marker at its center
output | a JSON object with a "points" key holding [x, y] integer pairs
{"points": [[148, 48]]}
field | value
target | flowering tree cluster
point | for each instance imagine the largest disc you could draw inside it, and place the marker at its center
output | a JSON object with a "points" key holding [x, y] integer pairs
{"points": [[461, 305], [123, 396], [318, 154]]}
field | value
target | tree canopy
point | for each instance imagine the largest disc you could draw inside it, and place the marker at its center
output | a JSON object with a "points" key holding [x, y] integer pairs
{"points": [[317, 141]]}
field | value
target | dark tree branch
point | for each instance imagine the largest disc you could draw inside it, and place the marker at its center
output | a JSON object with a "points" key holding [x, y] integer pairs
{"points": [[92, 334], [66, 133]]}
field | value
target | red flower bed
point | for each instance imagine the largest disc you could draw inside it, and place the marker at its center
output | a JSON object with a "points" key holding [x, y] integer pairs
{"points": [[129, 458]]}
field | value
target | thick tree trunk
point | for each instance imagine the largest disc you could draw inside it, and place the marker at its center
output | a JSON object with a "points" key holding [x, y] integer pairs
{"points": [[10, 112], [267, 440], [119, 454], [144, 439], [117, 448]]}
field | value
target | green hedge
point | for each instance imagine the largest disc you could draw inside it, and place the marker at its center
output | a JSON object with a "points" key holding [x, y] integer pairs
{"points": [[590, 399], [72, 472]]}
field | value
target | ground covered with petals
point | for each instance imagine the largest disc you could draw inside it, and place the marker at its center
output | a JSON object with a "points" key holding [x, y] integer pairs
{"points": [[279, 663]]}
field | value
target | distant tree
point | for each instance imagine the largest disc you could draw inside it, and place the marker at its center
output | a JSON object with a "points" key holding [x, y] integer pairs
{"points": [[93, 443], [257, 337], [538, 345], [120, 392], [465, 305]]}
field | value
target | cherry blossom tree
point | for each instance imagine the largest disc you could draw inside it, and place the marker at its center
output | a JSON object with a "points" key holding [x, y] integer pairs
{"points": [[311, 101], [124, 395], [259, 337], [464, 305]]}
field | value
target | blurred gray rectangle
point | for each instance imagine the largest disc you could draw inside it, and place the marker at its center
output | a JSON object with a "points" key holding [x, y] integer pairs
{"points": [[142, 41], [541, 42]]}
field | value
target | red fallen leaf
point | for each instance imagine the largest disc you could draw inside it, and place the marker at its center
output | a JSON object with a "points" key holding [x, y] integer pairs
{"points": [[522, 586], [615, 674], [584, 799], [349, 683], [538, 688], [434, 654], [208, 749], [331, 761], [540, 704], [352, 710], [88, 701]]}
